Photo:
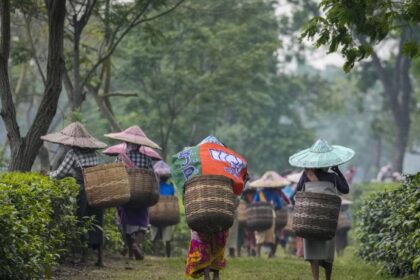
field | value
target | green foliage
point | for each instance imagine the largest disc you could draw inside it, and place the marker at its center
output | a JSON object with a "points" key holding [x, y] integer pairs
{"points": [[75, 116], [3, 159], [362, 191], [213, 70], [112, 234], [352, 27], [37, 224], [388, 228]]}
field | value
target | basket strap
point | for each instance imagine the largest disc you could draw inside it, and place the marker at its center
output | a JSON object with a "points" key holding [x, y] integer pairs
{"points": [[335, 185], [124, 157], [76, 158], [284, 197]]}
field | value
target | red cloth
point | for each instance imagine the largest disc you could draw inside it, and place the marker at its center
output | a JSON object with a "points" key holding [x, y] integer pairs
{"points": [[219, 160]]}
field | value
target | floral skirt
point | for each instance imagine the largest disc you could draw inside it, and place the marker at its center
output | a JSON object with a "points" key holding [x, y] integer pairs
{"points": [[206, 250]]}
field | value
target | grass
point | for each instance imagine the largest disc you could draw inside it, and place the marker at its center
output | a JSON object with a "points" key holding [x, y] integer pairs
{"points": [[284, 267]]}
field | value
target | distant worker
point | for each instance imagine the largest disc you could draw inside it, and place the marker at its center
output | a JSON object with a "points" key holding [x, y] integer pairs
{"points": [[81, 154], [163, 233], [321, 175], [385, 174]]}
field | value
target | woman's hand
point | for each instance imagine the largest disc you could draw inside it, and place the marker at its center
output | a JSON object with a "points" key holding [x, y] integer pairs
{"points": [[335, 169]]}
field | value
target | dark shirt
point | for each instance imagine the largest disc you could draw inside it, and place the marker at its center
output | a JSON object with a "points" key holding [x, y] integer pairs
{"points": [[337, 179], [75, 157], [140, 160]]}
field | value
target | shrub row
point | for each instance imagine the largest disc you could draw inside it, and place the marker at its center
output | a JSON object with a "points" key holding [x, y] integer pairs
{"points": [[388, 228], [37, 224]]}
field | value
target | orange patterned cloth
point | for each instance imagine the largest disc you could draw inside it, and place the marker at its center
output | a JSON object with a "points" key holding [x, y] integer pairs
{"points": [[210, 158], [206, 250]]}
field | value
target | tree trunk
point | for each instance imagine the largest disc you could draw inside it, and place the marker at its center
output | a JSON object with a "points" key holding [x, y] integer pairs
{"points": [[398, 94], [401, 111], [44, 158], [378, 154], [104, 109], [77, 94], [400, 147], [25, 149]]}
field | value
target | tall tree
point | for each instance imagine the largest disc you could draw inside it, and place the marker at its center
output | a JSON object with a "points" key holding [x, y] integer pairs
{"points": [[24, 149], [110, 22], [213, 68], [353, 28]]}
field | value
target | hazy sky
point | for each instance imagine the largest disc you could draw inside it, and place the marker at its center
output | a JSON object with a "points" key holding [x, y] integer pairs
{"points": [[318, 57]]}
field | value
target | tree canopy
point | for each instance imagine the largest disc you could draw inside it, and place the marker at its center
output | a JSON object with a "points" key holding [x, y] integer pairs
{"points": [[353, 27], [185, 69]]}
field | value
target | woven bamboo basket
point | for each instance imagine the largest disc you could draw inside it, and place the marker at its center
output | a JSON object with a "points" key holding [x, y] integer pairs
{"points": [[209, 203], [242, 213], [281, 217], [144, 187], [259, 216], [165, 212], [316, 215], [289, 225], [106, 185], [343, 221]]}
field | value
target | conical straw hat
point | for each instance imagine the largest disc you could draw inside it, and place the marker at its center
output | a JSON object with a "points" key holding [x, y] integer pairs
{"points": [[294, 177], [270, 179], [161, 168], [120, 148], [133, 135], [150, 152], [76, 135], [321, 155]]}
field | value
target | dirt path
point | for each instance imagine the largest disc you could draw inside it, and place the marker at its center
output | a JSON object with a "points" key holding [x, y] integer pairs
{"points": [[285, 268]]}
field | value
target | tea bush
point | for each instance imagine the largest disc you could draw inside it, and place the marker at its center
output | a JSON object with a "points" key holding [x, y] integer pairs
{"points": [[388, 228], [112, 234], [362, 190], [38, 225]]}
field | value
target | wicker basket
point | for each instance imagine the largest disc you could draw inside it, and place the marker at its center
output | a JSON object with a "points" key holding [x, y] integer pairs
{"points": [[106, 185], [316, 215], [343, 221], [165, 212], [209, 203], [144, 187], [242, 213], [281, 217], [259, 216]]}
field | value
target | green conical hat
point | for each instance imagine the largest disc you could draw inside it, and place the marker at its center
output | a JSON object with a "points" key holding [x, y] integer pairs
{"points": [[321, 155]]}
